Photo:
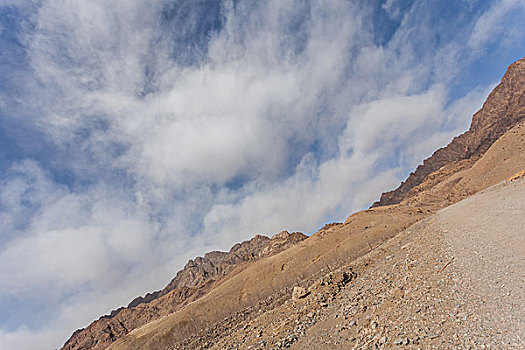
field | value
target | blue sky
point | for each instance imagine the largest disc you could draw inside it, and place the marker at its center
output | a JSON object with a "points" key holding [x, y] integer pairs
{"points": [[135, 135]]}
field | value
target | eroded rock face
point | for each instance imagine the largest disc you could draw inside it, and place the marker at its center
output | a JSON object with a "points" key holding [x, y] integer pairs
{"points": [[504, 109], [196, 278]]}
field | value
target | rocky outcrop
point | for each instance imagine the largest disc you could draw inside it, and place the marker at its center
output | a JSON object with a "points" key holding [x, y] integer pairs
{"points": [[196, 278], [504, 108], [298, 293]]}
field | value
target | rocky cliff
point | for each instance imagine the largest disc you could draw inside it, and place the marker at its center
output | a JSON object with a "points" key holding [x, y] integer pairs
{"points": [[196, 278], [503, 109]]}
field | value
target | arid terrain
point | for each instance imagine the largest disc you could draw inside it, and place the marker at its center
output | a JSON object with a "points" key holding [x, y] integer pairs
{"points": [[454, 280], [437, 263]]}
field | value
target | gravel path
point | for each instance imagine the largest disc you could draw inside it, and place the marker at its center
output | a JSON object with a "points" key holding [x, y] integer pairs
{"points": [[486, 236]]}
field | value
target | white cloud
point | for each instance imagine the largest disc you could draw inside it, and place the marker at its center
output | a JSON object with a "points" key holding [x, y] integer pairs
{"points": [[376, 132], [492, 24], [391, 7], [294, 117], [27, 339]]}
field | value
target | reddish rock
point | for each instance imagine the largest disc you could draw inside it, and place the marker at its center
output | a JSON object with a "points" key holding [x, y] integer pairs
{"points": [[504, 109], [194, 280]]}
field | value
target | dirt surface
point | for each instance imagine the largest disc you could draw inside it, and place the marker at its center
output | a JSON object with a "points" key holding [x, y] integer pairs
{"points": [[486, 235], [453, 281]]}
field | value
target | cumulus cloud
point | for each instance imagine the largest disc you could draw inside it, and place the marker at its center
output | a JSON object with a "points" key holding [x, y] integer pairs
{"points": [[164, 129]]}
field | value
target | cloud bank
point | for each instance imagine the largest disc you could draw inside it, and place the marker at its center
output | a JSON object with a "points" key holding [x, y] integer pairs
{"points": [[138, 134]]}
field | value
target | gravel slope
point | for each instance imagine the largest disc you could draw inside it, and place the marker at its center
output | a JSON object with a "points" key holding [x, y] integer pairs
{"points": [[486, 235], [453, 281]]}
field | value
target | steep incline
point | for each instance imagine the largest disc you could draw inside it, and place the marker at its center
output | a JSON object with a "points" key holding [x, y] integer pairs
{"points": [[504, 108], [196, 279], [453, 281]]}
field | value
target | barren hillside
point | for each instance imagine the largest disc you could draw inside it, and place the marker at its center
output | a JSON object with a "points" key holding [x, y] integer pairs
{"points": [[273, 320], [453, 280], [504, 108]]}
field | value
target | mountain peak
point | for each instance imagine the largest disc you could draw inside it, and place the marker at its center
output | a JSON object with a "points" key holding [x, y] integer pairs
{"points": [[503, 109]]}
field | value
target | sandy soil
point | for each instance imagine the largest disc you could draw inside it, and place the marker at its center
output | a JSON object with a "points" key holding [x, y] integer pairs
{"points": [[453, 281]]}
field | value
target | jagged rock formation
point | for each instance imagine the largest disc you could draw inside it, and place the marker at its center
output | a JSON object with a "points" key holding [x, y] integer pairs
{"points": [[194, 280], [504, 108], [216, 263]]}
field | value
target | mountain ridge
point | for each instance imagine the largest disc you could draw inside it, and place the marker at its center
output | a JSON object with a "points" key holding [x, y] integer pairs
{"points": [[483, 132], [194, 280]]}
